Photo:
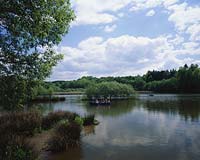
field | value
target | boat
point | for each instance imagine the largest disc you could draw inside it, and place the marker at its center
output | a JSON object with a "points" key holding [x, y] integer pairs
{"points": [[100, 102]]}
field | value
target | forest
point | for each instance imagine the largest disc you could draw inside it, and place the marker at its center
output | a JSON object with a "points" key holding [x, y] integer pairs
{"points": [[184, 80]]}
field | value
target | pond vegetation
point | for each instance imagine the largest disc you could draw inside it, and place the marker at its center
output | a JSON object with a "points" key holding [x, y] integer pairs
{"points": [[18, 128]]}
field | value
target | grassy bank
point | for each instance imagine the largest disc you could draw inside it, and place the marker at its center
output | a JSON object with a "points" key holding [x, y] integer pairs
{"points": [[57, 131]]}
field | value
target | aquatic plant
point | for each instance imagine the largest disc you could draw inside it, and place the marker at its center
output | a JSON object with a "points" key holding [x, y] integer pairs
{"points": [[20, 123], [15, 127], [65, 135], [54, 117], [89, 120]]}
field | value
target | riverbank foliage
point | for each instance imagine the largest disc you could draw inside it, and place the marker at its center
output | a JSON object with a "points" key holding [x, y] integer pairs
{"points": [[29, 30], [184, 80], [14, 130], [17, 127], [109, 89]]}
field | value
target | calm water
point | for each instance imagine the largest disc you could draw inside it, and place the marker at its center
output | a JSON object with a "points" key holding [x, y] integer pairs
{"points": [[163, 127]]}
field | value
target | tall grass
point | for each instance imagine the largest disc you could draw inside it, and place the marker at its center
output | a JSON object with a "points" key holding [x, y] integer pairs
{"points": [[54, 117], [65, 135], [14, 129]]}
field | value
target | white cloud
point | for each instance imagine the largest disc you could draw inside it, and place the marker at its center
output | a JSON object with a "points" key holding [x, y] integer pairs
{"points": [[130, 55], [97, 11], [194, 31], [147, 4], [124, 55], [184, 16], [109, 28], [121, 15], [150, 13]]}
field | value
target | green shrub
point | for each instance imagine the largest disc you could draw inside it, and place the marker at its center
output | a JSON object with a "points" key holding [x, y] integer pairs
{"points": [[89, 120], [79, 120], [15, 147], [66, 135], [20, 123], [54, 117], [14, 128]]}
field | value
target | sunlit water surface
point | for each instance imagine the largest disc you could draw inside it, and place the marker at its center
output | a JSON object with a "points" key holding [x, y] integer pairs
{"points": [[159, 127]]}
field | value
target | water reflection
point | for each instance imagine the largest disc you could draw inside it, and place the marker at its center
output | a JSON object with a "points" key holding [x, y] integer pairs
{"points": [[187, 108], [73, 154], [117, 108], [160, 127]]}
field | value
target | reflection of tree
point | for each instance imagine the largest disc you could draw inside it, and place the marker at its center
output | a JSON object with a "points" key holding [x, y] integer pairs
{"points": [[117, 108], [87, 130], [186, 108], [73, 153], [45, 108]]}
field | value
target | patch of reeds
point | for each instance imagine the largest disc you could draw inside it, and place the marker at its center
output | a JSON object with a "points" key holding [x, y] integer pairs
{"points": [[20, 123], [54, 117], [89, 120], [65, 135], [48, 99], [15, 127]]}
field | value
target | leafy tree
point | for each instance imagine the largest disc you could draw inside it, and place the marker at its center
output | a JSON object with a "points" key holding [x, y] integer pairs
{"points": [[189, 78], [28, 32], [109, 89]]}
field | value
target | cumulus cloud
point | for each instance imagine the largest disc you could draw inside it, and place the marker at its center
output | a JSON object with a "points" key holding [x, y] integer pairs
{"points": [[110, 28], [150, 13], [124, 55], [194, 31], [183, 15], [97, 11], [147, 4]]}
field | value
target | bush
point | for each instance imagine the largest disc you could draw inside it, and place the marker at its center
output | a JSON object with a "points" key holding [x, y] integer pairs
{"points": [[15, 147], [54, 117], [66, 135], [48, 99], [109, 89], [14, 128], [79, 120], [88, 120], [20, 123]]}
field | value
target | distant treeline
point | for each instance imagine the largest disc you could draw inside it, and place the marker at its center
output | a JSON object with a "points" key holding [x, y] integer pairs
{"points": [[184, 80]]}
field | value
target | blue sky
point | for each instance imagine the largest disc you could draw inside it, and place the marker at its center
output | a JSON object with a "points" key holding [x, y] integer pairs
{"points": [[129, 37]]}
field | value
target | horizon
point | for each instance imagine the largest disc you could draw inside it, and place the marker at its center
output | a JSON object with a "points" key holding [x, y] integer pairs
{"points": [[129, 37]]}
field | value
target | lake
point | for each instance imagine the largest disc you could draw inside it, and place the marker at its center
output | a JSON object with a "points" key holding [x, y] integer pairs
{"points": [[163, 126]]}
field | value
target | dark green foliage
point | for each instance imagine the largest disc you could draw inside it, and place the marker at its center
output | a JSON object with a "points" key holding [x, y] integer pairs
{"points": [[189, 78], [14, 128], [185, 79], [54, 117], [65, 135], [89, 120], [164, 86], [12, 92], [20, 123], [159, 75], [109, 89], [15, 147], [48, 99], [28, 32]]}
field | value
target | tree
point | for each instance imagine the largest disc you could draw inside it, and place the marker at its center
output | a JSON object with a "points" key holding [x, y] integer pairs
{"points": [[28, 32], [109, 89]]}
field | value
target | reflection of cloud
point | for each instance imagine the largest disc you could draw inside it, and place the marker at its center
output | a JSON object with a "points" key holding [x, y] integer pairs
{"points": [[129, 141]]}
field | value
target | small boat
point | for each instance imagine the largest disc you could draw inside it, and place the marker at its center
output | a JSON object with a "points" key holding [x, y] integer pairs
{"points": [[100, 102], [151, 95]]}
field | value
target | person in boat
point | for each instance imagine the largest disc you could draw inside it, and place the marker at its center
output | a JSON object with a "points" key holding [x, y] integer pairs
{"points": [[97, 101]]}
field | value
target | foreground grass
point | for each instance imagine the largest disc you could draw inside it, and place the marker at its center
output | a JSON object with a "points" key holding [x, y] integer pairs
{"points": [[24, 135]]}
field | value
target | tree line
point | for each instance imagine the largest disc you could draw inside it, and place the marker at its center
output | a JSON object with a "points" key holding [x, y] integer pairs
{"points": [[184, 80]]}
